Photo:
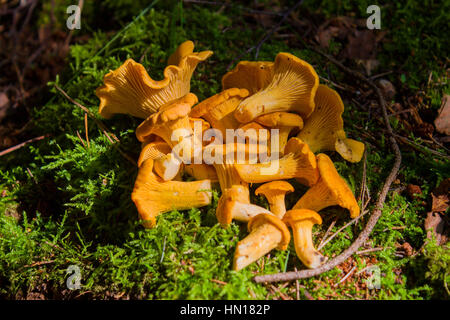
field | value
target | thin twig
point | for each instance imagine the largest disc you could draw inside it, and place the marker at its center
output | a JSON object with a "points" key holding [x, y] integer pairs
{"points": [[289, 276], [40, 263], [340, 230], [219, 282], [370, 250], [163, 250], [86, 129], [99, 123], [346, 276], [20, 145], [328, 231], [79, 137], [421, 148]]}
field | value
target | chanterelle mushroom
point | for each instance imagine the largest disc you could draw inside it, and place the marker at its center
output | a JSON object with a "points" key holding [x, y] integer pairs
{"points": [[250, 75], [275, 192], [172, 124], [164, 162], [299, 162], [201, 171], [231, 207], [234, 202], [260, 133], [267, 232], [330, 190], [218, 109], [130, 90], [323, 130], [301, 222], [153, 196], [285, 122], [292, 88]]}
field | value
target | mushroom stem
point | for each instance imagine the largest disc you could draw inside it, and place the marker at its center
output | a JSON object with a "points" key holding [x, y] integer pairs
{"points": [[234, 204], [302, 222], [167, 167], [258, 243], [267, 232], [245, 211], [275, 193], [277, 205], [304, 246]]}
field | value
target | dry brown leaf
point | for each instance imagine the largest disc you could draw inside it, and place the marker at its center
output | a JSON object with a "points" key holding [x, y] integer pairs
{"points": [[442, 122], [441, 197], [339, 27], [440, 203], [4, 105], [436, 225]]}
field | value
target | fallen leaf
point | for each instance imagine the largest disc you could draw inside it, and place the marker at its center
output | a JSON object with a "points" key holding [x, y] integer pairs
{"points": [[407, 249], [361, 45], [4, 105], [436, 225], [339, 27], [442, 122], [387, 88], [440, 203], [441, 197], [413, 191]]}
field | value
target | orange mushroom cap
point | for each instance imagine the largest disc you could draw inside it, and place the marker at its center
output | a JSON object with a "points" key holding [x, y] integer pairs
{"points": [[251, 75], [170, 117], [130, 90], [292, 88], [263, 218], [218, 109], [153, 196], [323, 130]]}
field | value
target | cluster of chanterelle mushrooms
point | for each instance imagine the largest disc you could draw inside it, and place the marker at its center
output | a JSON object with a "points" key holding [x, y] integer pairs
{"points": [[284, 95]]}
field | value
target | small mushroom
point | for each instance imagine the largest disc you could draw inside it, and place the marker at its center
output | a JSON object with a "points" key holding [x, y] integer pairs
{"points": [[275, 193], [302, 221], [292, 88], [233, 206], [173, 125], [165, 164], [218, 109], [267, 232], [153, 196], [285, 122], [250, 75], [298, 162], [235, 191], [330, 190], [323, 130], [130, 90]]}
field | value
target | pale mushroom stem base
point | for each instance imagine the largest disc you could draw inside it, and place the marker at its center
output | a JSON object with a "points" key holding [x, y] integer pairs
{"points": [[304, 247], [258, 243]]}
